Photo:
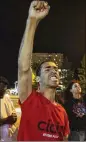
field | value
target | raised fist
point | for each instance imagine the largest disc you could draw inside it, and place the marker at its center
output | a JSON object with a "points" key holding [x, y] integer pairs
{"points": [[38, 9]]}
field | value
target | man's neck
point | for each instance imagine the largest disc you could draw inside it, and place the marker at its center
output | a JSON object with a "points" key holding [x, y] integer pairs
{"points": [[49, 93]]}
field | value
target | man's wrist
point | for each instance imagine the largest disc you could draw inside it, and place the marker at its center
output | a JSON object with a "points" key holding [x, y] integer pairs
{"points": [[33, 21]]}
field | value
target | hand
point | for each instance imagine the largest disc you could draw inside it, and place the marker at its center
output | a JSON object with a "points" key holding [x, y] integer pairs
{"points": [[38, 10], [12, 119], [14, 115], [9, 120]]}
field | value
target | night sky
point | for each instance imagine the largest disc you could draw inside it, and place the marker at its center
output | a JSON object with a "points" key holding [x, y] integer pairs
{"points": [[62, 31]]}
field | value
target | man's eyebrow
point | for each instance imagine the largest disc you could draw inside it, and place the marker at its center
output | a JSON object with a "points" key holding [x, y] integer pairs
{"points": [[51, 66], [47, 66]]}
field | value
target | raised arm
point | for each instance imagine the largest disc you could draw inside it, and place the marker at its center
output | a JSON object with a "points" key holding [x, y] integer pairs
{"points": [[37, 11]]}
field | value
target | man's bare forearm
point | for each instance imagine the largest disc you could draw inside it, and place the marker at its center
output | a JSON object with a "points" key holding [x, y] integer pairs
{"points": [[37, 12], [25, 53]]}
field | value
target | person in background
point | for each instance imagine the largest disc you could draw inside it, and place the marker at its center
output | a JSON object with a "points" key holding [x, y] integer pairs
{"points": [[7, 113], [60, 98], [42, 118], [75, 105]]}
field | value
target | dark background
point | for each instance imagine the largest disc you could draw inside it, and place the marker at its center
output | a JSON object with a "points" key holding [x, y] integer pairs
{"points": [[62, 31]]}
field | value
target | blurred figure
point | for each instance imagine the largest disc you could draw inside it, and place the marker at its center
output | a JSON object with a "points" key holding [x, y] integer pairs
{"points": [[7, 114], [59, 98], [75, 105]]}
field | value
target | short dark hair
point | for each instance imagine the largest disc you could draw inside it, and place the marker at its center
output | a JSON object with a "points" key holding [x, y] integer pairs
{"points": [[38, 71], [4, 80], [3, 84]]}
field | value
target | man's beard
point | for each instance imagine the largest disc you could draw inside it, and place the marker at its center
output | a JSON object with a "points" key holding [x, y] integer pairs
{"points": [[53, 86]]}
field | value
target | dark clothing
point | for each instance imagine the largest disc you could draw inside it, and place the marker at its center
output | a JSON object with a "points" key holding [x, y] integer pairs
{"points": [[76, 110], [76, 107], [77, 136]]}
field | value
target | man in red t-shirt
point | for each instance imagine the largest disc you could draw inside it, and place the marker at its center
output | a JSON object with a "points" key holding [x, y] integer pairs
{"points": [[42, 119]]}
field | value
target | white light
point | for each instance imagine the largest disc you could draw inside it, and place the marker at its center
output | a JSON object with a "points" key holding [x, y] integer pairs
{"points": [[59, 70]]}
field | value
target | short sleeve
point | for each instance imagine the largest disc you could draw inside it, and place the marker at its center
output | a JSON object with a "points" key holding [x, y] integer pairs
{"points": [[28, 99]]}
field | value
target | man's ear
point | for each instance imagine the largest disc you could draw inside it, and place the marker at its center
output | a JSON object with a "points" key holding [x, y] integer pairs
{"points": [[37, 79]]}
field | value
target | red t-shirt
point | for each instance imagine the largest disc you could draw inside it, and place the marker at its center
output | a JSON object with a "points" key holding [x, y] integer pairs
{"points": [[42, 120]]}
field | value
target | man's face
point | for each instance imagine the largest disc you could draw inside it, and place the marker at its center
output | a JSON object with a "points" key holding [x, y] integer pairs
{"points": [[49, 75], [76, 88]]}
